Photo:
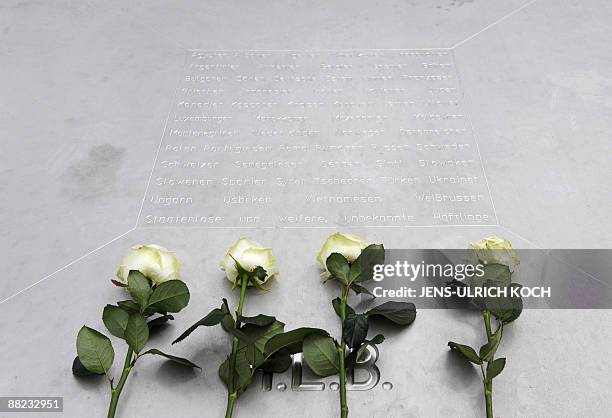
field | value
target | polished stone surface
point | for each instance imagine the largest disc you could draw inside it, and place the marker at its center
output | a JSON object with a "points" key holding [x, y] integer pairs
{"points": [[87, 88]]}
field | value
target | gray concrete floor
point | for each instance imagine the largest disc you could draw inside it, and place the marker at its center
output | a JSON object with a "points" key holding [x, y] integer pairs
{"points": [[87, 87]]}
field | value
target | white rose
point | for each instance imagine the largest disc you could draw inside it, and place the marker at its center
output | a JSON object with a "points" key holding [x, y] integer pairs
{"points": [[249, 254], [153, 261], [494, 250], [350, 246]]}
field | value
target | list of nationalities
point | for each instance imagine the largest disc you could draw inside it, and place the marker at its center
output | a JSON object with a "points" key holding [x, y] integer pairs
{"points": [[318, 139]]}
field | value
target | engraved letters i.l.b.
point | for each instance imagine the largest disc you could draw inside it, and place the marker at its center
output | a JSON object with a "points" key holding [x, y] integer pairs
{"points": [[369, 375]]}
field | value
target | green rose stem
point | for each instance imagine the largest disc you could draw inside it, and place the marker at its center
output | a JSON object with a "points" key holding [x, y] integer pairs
{"points": [[498, 260], [116, 391], [341, 356], [488, 384], [232, 394]]}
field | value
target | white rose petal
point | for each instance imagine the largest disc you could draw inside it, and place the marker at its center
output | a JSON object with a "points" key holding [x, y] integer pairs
{"points": [[249, 254], [494, 250], [350, 246], [153, 261]]}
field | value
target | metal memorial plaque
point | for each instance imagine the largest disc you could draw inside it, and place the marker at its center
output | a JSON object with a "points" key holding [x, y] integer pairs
{"points": [[318, 139]]}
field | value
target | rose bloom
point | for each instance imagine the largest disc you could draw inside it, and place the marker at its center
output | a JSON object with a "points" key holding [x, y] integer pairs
{"points": [[494, 250], [350, 246], [153, 261], [249, 254]]}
